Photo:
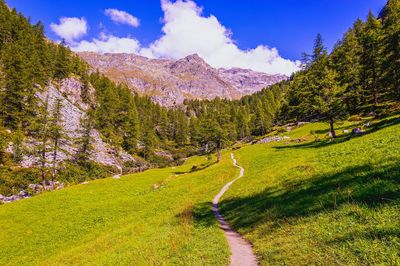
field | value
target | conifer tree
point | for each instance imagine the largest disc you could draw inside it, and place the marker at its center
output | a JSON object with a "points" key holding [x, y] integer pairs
{"points": [[213, 137], [40, 129], [371, 58], [346, 60], [84, 142], [18, 139], [330, 98], [182, 129], [391, 48], [62, 63], [194, 130], [56, 135]]}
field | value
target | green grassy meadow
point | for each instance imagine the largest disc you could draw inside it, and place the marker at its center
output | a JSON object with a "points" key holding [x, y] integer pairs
{"points": [[299, 203], [321, 203], [125, 221]]}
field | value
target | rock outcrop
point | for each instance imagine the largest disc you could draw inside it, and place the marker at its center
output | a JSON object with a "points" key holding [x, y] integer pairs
{"points": [[73, 109], [170, 82]]}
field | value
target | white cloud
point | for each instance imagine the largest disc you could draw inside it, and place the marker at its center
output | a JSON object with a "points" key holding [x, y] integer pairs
{"points": [[186, 31], [70, 29], [122, 17], [109, 44]]}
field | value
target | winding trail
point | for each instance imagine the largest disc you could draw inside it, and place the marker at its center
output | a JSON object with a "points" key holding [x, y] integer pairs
{"points": [[241, 251]]}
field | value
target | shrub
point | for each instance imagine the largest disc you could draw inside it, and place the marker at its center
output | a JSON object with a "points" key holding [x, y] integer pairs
{"points": [[354, 118]]}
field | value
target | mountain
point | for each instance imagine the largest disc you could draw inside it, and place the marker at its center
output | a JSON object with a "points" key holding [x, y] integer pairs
{"points": [[170, 82]]}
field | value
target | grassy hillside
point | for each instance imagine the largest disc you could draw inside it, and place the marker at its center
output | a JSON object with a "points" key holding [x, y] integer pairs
{"points": [[159, 216], [301, 203], [323, 203]]}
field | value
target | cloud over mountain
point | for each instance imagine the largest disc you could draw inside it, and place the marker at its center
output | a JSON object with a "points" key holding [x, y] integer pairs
{"points": [[109, 44], [187, 31]]}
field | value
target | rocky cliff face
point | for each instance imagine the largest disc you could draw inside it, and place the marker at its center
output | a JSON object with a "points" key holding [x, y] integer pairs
{"points": [[170, 82], [73, 109]]}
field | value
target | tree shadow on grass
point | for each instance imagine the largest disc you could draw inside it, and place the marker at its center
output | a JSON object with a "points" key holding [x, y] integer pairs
{"points": [[196, 168], [361, 184], [376, 233], [345, 137]]}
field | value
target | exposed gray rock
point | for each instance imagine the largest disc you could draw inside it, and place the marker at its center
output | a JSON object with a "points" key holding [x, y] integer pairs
{"points": [[21, 195], [73, 109], [270, 139], [170, 82], [358, 131]]}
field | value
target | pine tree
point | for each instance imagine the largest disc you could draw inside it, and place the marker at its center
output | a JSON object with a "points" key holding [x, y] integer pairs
{"points": [[346, 60], [330, 98], [243, 120], [391, 49], [4, 140], [182, 129], [213, 137], [18, 139], [40, 129], [85, 94], [84, 142], [194, 129], [371, 58], [149, 141], [62, 61], [56, 136], [319, 49]]}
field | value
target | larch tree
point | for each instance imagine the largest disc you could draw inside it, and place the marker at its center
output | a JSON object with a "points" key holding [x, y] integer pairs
{"points": [[391, 49], [56, 135], [330, 98], [371, 58], [84, 143]]}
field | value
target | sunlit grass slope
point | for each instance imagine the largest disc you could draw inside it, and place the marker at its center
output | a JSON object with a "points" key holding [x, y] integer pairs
{"points": [[161, 216], [320, 203]]}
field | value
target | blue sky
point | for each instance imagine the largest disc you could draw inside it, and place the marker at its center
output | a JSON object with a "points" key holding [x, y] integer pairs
{"points": [[288, 25]]}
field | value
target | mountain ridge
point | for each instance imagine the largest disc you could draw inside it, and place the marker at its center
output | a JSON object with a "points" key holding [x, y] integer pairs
{"points": [[169, 82]]}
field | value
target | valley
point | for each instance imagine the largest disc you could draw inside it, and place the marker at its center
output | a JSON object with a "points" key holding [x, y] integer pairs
{"points": [[192, 149], [294, 200]]}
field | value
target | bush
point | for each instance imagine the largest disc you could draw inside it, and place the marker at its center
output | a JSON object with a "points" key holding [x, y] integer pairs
{"points": [[282, 130], [13, 181], [78, 173], [354, 118]]}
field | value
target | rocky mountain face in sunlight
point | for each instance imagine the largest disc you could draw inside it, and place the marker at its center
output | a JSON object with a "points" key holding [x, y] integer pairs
{"points": [[170, 82]]}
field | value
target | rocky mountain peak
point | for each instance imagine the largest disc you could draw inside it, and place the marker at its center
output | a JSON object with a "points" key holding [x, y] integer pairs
{"points": [[194, 58], [170, 82]]}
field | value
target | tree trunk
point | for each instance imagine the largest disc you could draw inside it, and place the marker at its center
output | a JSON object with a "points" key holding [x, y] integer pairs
{"points": [[43, 178], [43, 170], [332, 128], [53, 174], [219, 156]]}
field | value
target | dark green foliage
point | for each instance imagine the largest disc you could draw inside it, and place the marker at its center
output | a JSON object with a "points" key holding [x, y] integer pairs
{"points": [[28, 61], [252, 115], [391, 48], [84, 143], [365, 64]]}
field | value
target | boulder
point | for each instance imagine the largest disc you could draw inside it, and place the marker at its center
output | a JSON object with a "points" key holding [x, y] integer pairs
{"points": [[270, 139], [357, 131]]}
